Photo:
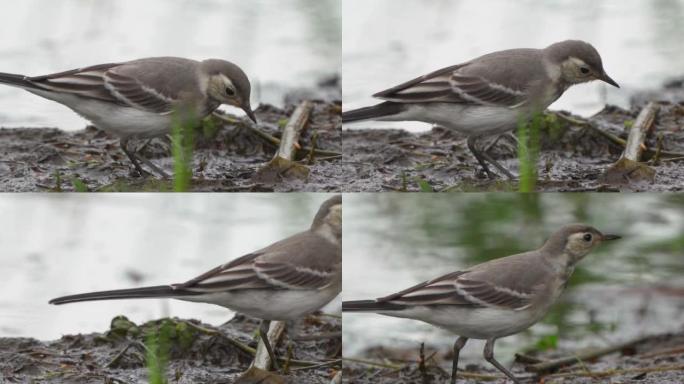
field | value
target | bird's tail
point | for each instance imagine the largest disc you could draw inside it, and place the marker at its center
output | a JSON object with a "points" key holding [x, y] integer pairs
{"points": [[16, 80], [159, 291], [370, 306], [385, 109]]}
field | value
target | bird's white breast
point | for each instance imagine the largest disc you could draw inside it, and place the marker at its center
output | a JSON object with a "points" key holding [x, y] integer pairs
{"points": [[479, 323], [121, 121], [285, 304], [465, 119]]}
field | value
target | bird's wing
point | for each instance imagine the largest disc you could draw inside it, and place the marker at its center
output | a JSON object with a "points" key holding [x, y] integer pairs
{"points": [[85, 82], [154, 84], [503, 79], [303, 261], [458, 288]]}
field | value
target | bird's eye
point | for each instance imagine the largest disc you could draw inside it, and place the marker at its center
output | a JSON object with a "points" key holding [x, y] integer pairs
{"points": [[230, 92], [587, 237], [584, 70]]}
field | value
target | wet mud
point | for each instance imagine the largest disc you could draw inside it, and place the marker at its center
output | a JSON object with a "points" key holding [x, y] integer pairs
{"points": [[196, 353], [573, 157], [226, 154], [654, 360]]}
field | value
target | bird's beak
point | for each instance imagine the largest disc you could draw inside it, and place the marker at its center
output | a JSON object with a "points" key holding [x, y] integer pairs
{"points": [[607, 79], [611, 237], [249, 112]]}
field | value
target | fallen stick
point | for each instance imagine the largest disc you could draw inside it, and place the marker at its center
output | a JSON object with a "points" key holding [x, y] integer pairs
{"points": [[640, 129], [271, 139], [614, 372], [628, 168], [261, 359], [554, 364], [293, 129], [283, 165]]}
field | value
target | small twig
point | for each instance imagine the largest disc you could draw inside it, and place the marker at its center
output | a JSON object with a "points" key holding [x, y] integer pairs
{"points": [[554, 364], [312, 150], [320, 365], [271, 139], [421, 364], [614, 372]]}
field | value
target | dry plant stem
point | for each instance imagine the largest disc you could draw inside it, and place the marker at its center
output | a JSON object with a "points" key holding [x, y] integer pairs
{"points": [[293, 129], [637, 134], [262, 360], [274, 140], [337, 379], [396, 367], [554, 364], [614, 372], [610, 137]]}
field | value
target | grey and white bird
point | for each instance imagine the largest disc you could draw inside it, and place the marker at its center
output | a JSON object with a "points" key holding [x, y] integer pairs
{"points": [[284, 281], [490, 94], [143, 98], [494, 299]]}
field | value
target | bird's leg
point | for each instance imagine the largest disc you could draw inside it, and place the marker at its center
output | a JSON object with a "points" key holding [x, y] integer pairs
{"points": [[150, 164], [136, 159], [489, 356], [483, 158], [263, 334], [132, 157], [460, 342]]}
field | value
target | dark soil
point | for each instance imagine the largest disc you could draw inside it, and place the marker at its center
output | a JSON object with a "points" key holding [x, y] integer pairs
{"points": [[572, 157], [225, 157], [655, 360], [202, 354]]}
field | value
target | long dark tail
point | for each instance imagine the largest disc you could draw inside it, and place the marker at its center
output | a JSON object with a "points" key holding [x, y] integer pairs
{"points": [[370, 306], [387, 108], [159, 291], [16, 80]]}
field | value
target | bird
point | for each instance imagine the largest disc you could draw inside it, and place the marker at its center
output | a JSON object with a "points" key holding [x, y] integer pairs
{"points": [[494, 299], [143, 98], [283, 281], [490, 94]]}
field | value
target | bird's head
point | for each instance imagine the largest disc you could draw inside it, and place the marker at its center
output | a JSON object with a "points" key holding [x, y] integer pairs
{"points": [[579, 62], [328, 220], [576, 241], [228, 84]]}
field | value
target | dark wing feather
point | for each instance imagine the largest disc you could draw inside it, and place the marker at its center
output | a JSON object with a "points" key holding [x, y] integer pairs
{"points": [[457, 289], [456, 84]]}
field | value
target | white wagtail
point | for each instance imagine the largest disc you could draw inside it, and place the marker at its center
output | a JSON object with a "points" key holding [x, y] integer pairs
{"points": [[137, 99], [490, 94], [493, 299], [284, 281]]}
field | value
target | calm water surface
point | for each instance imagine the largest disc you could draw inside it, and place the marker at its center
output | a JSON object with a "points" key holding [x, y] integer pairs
{"points": [[621, 290], [53, 245]]}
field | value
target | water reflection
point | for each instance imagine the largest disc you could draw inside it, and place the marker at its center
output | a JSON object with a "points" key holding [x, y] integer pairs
{"points": [[394, 241], [52, 245]]}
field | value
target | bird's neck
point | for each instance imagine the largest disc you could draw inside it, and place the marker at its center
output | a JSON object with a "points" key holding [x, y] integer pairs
{"points": [[329, 233]]}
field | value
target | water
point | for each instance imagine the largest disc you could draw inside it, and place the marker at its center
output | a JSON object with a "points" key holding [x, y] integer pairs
{"points": [[623, 289], [386, 42], [53, 245], [281, 44]]}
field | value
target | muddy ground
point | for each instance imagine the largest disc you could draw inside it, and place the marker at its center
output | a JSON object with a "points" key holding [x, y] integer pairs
{"points": [[654, 360], [573, 157], [198, 353], [225, 158]]}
